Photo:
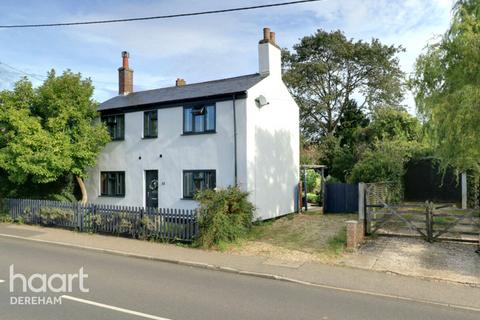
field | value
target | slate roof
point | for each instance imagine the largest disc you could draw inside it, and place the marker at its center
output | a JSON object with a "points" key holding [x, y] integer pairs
{"points": [[187, 92]]}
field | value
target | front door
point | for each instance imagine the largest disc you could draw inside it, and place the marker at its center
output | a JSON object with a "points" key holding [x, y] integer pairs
{"points": [[151, 188]]}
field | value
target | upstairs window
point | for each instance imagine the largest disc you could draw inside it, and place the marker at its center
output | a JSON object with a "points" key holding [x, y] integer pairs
{"points": [[150, 124], [115, 125], [113, 184], [195, 180], [199, 119]]}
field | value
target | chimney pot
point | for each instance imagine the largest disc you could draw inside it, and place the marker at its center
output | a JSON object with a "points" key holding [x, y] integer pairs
{"points": [[272, 37], [180, 82], [266, 34], [125, 56], [125, 76], [269, 55]]}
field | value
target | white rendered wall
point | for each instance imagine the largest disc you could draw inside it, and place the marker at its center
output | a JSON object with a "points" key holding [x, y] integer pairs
{"points": [[203, 151], [273, 149]]}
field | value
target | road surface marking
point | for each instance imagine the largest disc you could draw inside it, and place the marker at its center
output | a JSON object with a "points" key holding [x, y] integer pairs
{"points": [[2, 281], [106, 306], [235, 271]]}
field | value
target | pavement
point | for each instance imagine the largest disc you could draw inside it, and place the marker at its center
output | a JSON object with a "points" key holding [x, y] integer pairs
{"points": [[123, 287], [315, 275], [447, 261]]}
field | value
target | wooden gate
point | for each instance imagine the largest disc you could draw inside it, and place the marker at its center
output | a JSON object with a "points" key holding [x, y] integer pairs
{"points": [[387, 214], [340, 198]]}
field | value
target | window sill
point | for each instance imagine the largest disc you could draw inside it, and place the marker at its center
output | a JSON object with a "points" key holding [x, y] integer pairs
{"points": [[197, 133], [117, 140], [191, 199], [149, 138], [106, 196]]}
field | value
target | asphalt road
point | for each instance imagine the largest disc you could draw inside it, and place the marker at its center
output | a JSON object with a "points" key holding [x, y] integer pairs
{"points": [[153, 290]]}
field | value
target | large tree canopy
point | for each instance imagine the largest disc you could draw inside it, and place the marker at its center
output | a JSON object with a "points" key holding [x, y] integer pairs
{"points": [[326, 71], [50, 131], [447, 89]]}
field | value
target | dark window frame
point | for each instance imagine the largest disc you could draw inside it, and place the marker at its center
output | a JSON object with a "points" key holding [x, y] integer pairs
{"points": [[198, 107], [148, 133], [115, 174], [204, 171], [112, 129]]}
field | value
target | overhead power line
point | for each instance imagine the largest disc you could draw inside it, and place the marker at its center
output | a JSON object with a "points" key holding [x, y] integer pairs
{"points": [[43, 77], [170, 16], [18, 71]]}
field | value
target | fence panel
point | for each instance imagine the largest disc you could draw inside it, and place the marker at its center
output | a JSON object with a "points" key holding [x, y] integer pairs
{"points": [[138, 222], [340, 198]]}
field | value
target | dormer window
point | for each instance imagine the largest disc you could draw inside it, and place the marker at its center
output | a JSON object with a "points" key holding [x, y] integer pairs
{"points": [[199, 119]]}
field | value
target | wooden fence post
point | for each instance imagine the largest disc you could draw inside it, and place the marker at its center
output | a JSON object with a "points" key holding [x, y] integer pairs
{"points": [[464, 191], [429, 220], [361, 201]]}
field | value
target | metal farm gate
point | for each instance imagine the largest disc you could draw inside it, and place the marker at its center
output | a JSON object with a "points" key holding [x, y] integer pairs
{"points": [[387, 214]]}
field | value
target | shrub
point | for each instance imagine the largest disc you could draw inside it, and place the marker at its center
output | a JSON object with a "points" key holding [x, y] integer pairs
{"points": [[55, 215], [225, 216], [313, 181], [313, 198], [93, 222], [4, 214]]}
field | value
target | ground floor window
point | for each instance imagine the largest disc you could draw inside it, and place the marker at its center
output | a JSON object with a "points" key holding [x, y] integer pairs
{"points": [[112, 183], [194, 180]]}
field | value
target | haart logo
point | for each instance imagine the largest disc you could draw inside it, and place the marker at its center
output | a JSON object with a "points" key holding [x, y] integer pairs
{"points": [[55, 283]]}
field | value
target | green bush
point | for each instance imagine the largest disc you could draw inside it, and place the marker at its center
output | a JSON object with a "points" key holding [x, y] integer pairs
{"points": [[4, 215], [225, 216], [55, 215], [313, 181], [313, 198]]}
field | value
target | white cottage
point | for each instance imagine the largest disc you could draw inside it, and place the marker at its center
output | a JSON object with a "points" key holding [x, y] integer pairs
{"points": [[169, 142]]}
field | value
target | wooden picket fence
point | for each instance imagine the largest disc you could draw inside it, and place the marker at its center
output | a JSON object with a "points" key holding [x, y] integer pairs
{"points": [[137, 222]]}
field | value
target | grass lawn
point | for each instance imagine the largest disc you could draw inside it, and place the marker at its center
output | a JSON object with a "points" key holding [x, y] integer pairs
{"points": [[307, 236]]}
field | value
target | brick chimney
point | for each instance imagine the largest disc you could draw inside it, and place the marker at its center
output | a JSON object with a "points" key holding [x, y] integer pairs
{"points": [[180, 82], [125, 76], [269, 55]]}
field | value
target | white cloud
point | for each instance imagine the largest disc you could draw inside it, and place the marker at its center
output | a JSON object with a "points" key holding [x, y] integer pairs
{"points": [[206, 47]]}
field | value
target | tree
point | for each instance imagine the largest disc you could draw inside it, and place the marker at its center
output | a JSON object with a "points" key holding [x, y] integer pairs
{"points": [[352, 121], [446, 84], [394, 123], [50, 131], [392, 138], [326, 71]]}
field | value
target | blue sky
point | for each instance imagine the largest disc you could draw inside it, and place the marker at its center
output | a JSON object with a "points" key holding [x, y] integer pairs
{"points": [[195, 48]]}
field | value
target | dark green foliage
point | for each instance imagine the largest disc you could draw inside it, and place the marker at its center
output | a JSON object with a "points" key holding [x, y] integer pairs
{"points": [[225, 215], [350, 126], [63, 189], [325, 70], [394, 123], [49, 133], [386, 163]]}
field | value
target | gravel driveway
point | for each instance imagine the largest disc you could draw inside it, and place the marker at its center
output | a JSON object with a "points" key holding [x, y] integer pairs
{"points": [[450, 261]]}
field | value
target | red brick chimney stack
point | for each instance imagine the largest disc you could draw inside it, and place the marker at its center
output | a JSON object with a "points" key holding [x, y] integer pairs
{"points": [[125, 76]]}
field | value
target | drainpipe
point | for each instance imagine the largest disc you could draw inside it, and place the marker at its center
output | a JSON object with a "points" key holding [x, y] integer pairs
{"points": [[235, 138]]}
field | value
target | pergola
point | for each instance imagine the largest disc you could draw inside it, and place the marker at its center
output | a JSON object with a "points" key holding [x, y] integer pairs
{"points": [[303, 172]]}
